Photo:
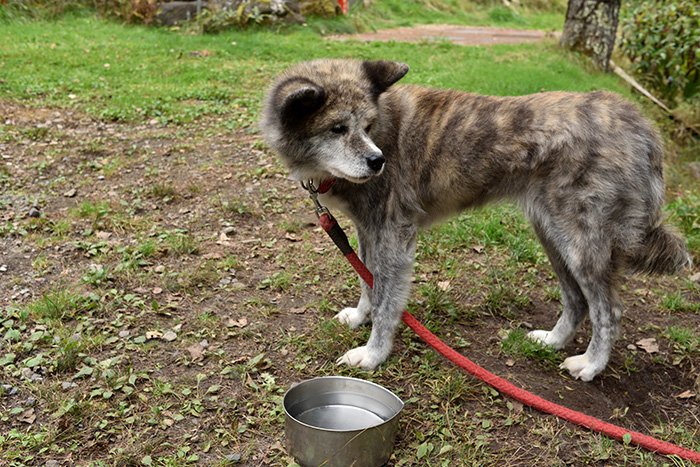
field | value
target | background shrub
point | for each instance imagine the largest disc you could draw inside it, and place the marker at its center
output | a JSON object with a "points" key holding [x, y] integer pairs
{"points": [[662, 40], [130, 11]]}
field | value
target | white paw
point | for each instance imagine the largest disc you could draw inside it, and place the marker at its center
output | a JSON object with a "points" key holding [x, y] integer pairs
{"points": [[581, 367], [546, 338], [352, 317], [361, 357]]}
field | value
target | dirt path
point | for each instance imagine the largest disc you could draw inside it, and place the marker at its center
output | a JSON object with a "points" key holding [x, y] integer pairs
{"points": [[462, 35]]}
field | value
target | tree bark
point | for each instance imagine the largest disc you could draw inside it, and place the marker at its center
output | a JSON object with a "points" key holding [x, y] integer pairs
{"points": [[590, 27]]}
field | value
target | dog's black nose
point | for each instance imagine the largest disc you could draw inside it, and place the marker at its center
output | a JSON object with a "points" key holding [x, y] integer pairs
{"points": [[375, 163]]}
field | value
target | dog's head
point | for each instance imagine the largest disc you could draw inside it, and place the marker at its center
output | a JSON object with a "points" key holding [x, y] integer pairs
{"points": [[318, 116]]}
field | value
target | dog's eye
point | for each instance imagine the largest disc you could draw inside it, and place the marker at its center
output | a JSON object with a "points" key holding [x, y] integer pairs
{"points": [[339, 129], [368, 128]]}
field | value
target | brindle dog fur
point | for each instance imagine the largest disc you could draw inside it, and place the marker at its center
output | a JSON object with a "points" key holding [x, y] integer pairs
{"points": [[587, 170]]}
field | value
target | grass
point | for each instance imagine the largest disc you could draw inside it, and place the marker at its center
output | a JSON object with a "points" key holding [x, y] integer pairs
{"points": [[115, 78], [517, 344], [130, 273]]}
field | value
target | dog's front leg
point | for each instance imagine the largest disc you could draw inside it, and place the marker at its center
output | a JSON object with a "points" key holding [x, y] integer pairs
{"points": [[355, 317], [391, 256]]}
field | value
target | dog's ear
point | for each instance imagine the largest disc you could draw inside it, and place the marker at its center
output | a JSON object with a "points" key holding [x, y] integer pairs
{"points": [[383, 74], [299, 99]]}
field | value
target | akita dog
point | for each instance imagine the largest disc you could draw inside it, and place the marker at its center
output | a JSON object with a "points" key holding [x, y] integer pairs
{"points": [[587, 170]]}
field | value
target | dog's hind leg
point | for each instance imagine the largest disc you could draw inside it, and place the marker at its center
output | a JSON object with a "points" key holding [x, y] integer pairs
{"points": [[391, 256], [573, 300], [597, 276]]}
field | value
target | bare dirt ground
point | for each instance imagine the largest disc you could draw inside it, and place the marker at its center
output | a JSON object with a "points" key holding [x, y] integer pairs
{"points": [[215, 331], [461, 35]]}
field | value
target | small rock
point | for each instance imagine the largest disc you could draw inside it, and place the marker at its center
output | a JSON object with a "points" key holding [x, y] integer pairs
{"points": [[66, 385], [70, 193], [3, 267], [124, 334], [34, 212], [228, 231], [51, 463], [9, 390], [169, 336], [235, 457], [159, 269], [30, 375]]}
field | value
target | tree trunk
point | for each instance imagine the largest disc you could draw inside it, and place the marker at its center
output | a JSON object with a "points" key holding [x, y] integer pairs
{"points": [[590, 28]]}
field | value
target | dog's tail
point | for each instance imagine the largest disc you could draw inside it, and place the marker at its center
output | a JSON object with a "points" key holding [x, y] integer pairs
{"points": [[663, 251]]}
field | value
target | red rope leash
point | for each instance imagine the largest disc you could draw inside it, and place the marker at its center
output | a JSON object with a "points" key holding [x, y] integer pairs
{"points": [[331, 227]]}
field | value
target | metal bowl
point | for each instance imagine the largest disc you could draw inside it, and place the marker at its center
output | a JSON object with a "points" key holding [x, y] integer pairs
{"points": [[336, 421]]}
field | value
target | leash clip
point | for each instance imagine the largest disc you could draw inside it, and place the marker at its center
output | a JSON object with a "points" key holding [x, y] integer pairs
{"points": [[310, 186]]}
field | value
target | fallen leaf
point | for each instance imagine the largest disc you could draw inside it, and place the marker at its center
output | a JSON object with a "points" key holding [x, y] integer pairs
{"points": [[196, 351], [83, 372], [213, 255], [70, 193], [240, 323], [510, 362], [291, 237], [686, 394], [517, 407], [157, 291], [153, 335], [202, 53], [298, 311], [649, 345], [28, 416], [443, 285]]}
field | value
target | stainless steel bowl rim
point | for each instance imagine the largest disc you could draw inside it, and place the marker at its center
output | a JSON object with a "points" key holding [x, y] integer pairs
{"points": [[331, 430]]}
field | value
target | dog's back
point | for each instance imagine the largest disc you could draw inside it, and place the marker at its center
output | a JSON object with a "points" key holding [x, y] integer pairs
{"points": [[589, 158]]}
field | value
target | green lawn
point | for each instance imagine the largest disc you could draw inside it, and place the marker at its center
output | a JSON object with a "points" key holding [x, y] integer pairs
{"points": [[119, 72]]}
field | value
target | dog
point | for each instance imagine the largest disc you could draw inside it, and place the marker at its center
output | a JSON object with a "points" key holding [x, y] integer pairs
{"points": [[586, 168]]}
